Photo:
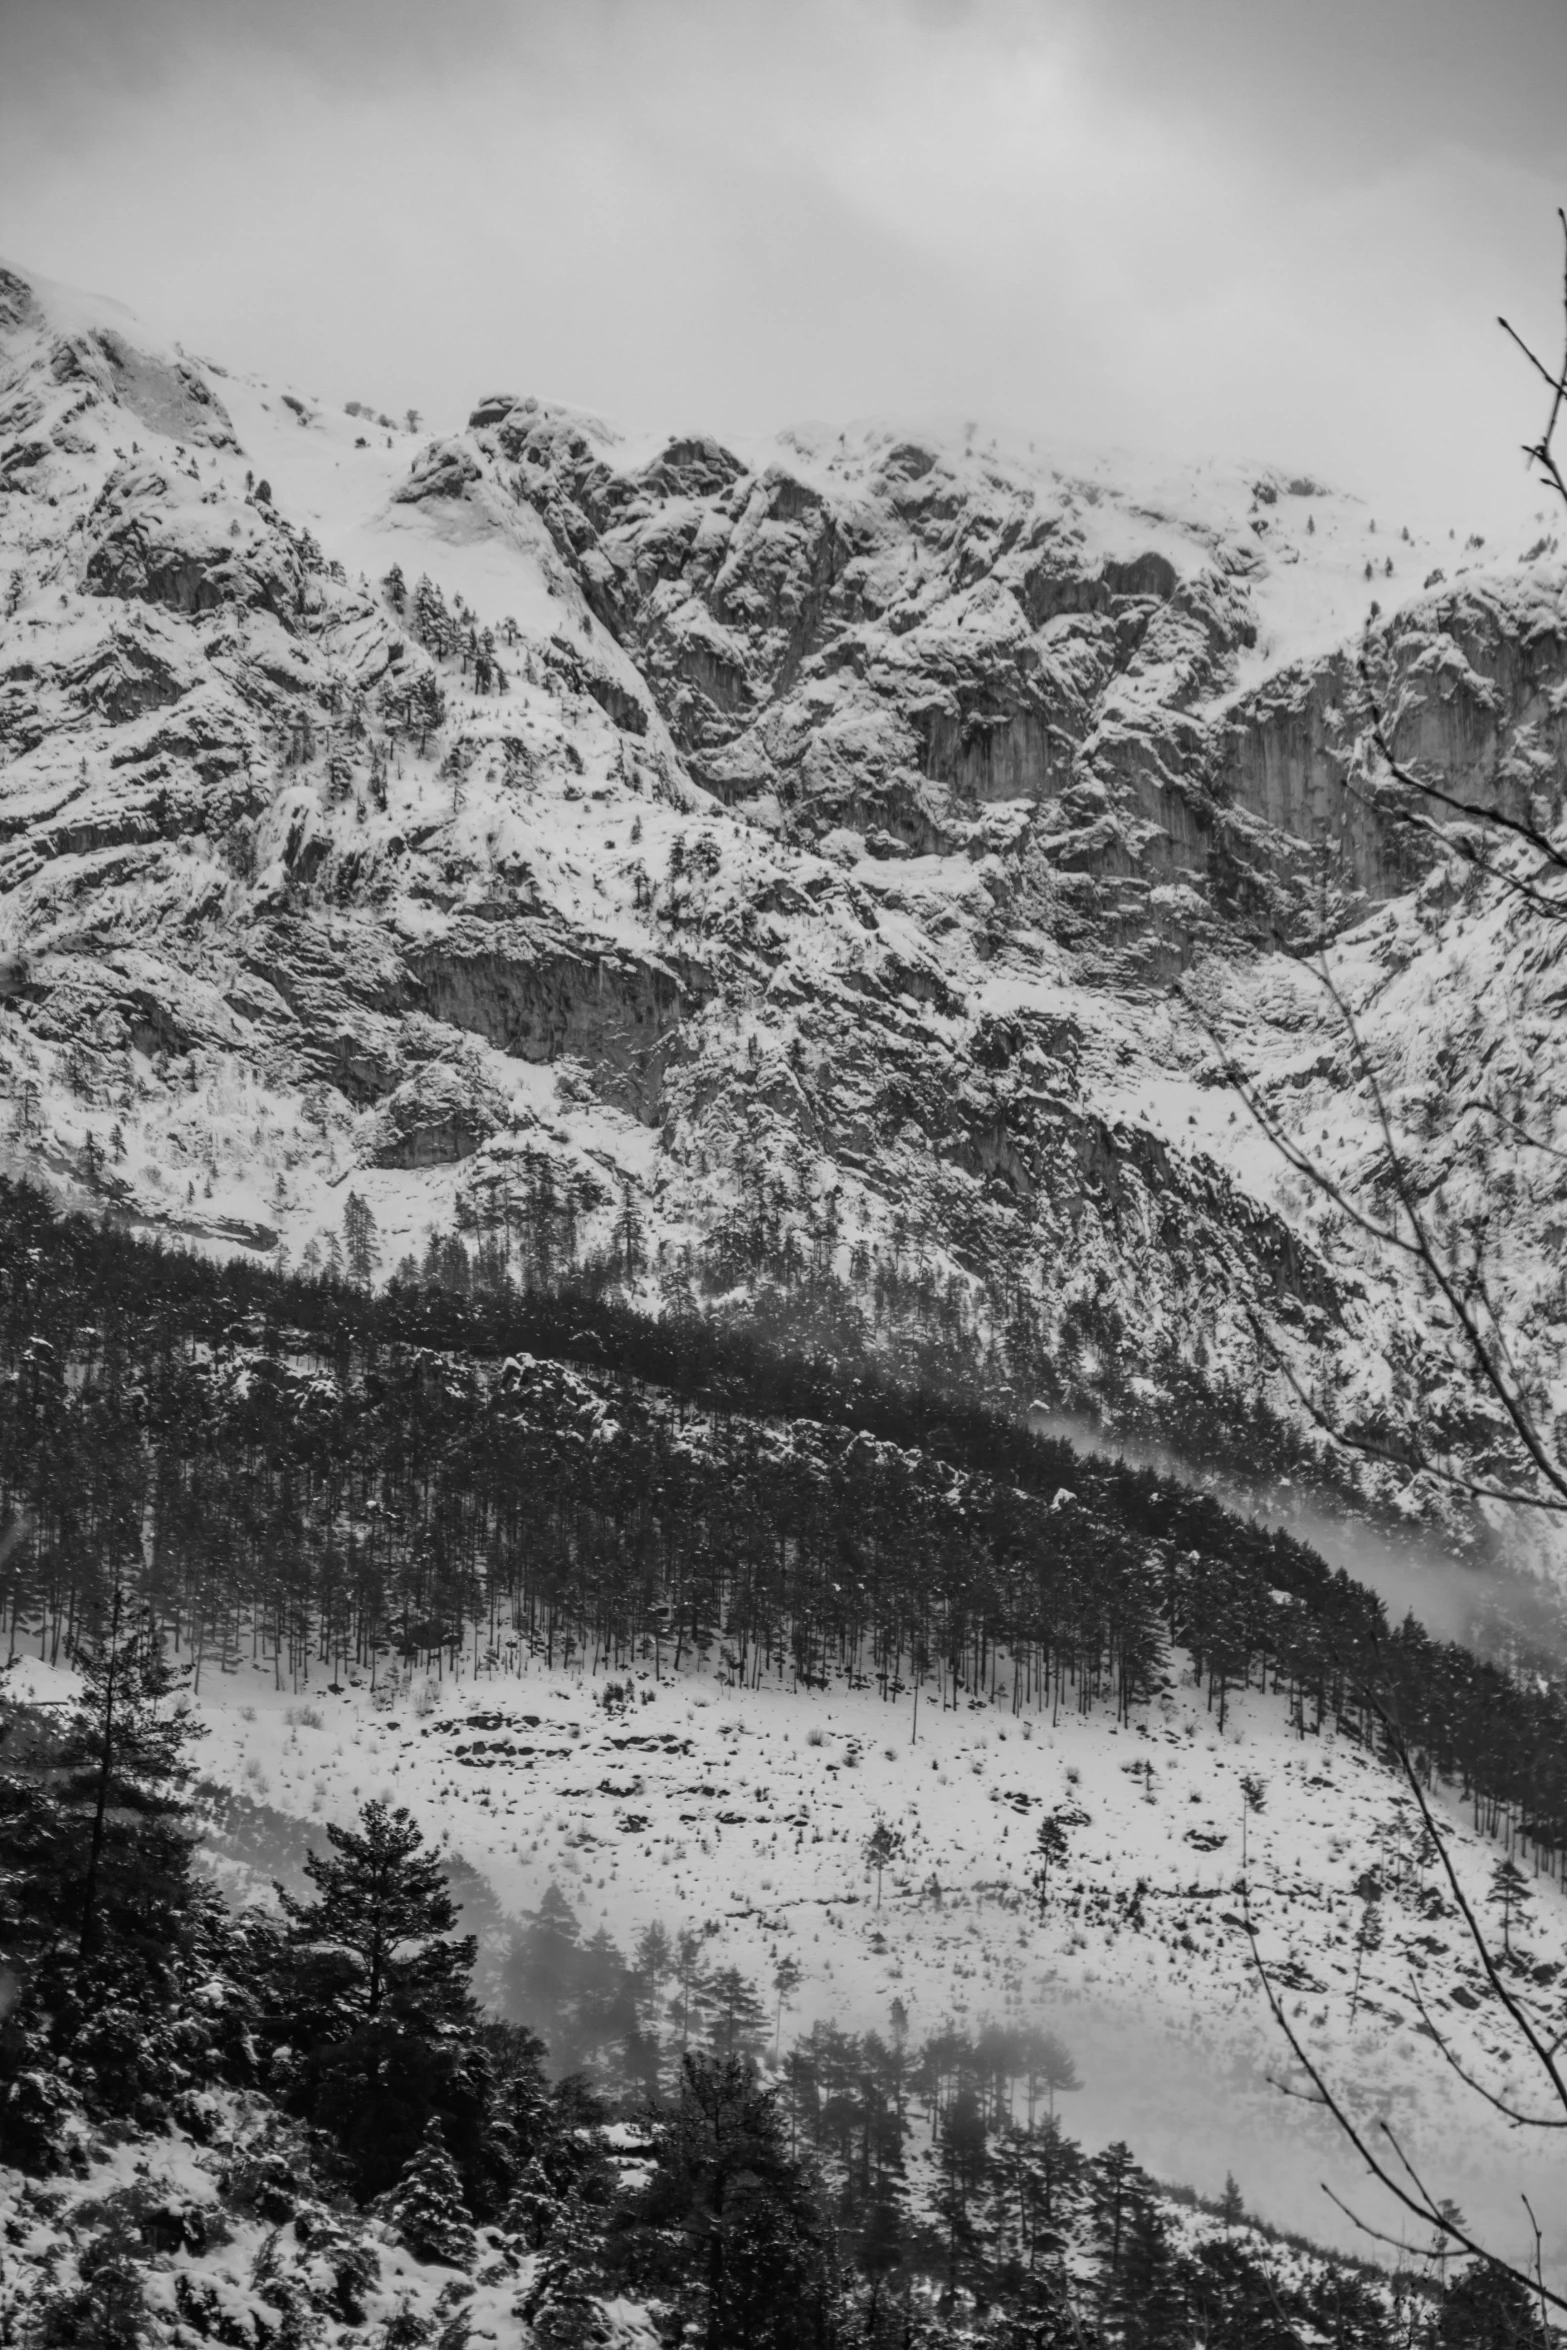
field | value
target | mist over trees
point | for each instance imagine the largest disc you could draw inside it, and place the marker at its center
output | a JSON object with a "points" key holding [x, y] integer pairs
{"points": [[739, 2202]]}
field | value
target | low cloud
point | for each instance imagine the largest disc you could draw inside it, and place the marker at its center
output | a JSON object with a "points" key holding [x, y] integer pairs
{"points": [[1280, 233]]}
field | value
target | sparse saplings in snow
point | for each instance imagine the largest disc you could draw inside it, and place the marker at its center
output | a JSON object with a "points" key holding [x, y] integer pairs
{"points": [[1368, 1940], [1254, 1797], [1050, 1848], [1510, 1896], [883, 1847]]}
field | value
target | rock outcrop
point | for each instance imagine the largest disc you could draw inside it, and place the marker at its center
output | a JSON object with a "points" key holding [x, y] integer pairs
{"points": [[758, 858]]}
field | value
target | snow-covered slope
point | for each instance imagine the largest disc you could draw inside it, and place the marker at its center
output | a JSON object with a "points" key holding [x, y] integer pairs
{"points": [[745, 1812], [816, 878]]}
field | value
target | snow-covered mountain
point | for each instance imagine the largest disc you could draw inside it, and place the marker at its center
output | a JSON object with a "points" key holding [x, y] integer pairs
{"points": [[802, 852], [852, 855]]}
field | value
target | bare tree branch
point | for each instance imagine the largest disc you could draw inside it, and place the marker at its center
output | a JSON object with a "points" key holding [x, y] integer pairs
{"points": [[1475, 1317], [1532, 1141], [1487, 1350], [1509, 2113], [1544, 2054], [1420, 2204], [1540, 451], [1495, 817]]}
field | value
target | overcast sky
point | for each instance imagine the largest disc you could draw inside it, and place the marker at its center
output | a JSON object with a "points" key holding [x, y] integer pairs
{"points": [[1261, 228]]}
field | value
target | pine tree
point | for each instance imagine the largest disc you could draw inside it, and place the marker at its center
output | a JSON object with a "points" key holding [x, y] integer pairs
{"points": [[361, 1241], [427, 708], [106, 1931], [686, 2006], [428, 2210], [738, 2025], [395, 589], [378, 2023], [787, 1978], [725, 2186], [1049, 2066], [1050, 2189], [540, 1975], [568, 2273], [1150, 2298], [118, 1784], [432, 623], [1368, 1940], [882, 1847], [1050, 1847], [35, 1840], [339, 769], [964, 2164], [380, 1935], [1483, 2309], [1511, 1895], [881, 2251], [1116, 2189], [652, 1959], [1254, 1799]]}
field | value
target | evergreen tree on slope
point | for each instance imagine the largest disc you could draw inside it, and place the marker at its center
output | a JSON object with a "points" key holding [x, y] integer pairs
{"points": [[378, 2018], [427, 2208]]}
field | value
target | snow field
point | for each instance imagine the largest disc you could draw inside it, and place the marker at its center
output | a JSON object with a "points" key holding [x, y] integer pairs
{"points": [[746, 1813]]}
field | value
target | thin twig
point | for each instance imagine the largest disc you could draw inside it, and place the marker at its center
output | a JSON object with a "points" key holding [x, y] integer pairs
{"points": [[1529, 833], [1543, 2054], [1522, 2121], [1488, 1352], [1420, 2205]]}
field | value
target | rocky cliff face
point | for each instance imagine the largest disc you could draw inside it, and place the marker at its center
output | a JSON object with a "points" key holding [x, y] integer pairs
{"points": [[736, 862], [870, 633]]}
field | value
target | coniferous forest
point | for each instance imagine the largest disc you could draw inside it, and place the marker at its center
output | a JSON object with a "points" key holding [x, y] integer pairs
{"points": [[203, 1466]]}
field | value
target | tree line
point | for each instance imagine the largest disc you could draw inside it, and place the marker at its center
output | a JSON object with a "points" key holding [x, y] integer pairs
{"points": [[303, 1473]]}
